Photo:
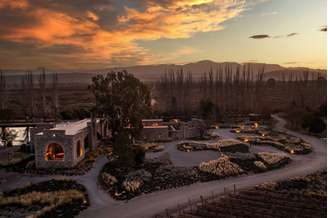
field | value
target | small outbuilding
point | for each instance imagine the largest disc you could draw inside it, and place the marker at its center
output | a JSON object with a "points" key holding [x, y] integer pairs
{"points": [[65, 144]]}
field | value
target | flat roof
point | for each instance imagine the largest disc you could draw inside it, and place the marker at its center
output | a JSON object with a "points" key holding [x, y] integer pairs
{"points": [[152, 120], [72, 128], [155, 127]]}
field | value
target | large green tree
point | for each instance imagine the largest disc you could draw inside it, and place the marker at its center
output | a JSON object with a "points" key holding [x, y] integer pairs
{"points": [[123, 100]]}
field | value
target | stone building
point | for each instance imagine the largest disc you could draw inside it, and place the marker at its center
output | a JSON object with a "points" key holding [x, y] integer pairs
{"points": [[65, 144], [154, 130], [158, 130]]}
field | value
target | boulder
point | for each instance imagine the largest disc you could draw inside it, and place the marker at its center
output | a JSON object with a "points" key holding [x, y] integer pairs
{"points": [[134, 180], [108, 179], [260, 166], [132, 184]]}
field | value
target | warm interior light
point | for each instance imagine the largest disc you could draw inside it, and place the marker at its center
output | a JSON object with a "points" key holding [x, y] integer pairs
{"points": [[54, 152]]}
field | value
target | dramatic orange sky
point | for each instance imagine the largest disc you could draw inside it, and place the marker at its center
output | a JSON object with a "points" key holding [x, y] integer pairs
{"points": [[85, 34]]}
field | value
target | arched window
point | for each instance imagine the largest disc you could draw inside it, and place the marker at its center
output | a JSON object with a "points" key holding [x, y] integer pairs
{"points": [[79, 149], [54, 152]]}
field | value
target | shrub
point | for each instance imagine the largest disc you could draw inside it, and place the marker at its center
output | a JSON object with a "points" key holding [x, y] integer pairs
{"points": [[313, 123], [139, 155]]}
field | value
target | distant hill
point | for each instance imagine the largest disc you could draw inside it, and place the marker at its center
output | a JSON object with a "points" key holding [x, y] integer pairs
{"points": [[154, 72]]}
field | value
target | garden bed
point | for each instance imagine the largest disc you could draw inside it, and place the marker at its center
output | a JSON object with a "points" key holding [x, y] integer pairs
{"points": [[54, 198], [224, 145], [280, 141], [125, 182]]}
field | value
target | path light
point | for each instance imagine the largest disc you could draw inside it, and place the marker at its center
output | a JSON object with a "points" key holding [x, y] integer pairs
{"points": [[292, 151], [256, 125]]}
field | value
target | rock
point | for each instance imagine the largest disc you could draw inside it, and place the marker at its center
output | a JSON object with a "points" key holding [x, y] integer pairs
{"points": [[192, 146], [109, 179], [153, 147], [260, 166], [134, 180], [132, 184]]}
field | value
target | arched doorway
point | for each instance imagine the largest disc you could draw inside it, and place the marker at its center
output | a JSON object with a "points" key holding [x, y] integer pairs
{"points": [[54, 151], [79, 149]]}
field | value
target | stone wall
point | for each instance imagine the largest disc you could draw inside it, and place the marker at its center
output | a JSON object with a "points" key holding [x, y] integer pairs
{"points": [[155, 134], [37, 129]]}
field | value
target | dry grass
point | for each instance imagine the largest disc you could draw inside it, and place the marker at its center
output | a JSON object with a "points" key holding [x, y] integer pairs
{"points": [[51, 199]]}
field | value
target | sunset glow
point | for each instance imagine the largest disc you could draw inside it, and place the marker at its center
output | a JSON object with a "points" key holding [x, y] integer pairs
{"points": [[63, 34]]}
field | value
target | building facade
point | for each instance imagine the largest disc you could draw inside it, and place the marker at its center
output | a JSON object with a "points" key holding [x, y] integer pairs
{"points": [[64, 145]]}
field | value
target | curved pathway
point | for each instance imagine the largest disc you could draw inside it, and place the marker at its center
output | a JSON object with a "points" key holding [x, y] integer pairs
{"points": [[150, 204]]}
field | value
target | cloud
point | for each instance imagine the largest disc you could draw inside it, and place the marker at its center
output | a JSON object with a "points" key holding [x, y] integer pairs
{"points": [[271, 13], [292, 34], [285, 36], [323, 29], [261, 36], [14, 4], [278, 36], [105, 31], [92, 16]]}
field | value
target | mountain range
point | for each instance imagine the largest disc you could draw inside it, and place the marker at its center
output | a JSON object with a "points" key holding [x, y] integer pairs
{"points": [[150, 73]]}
